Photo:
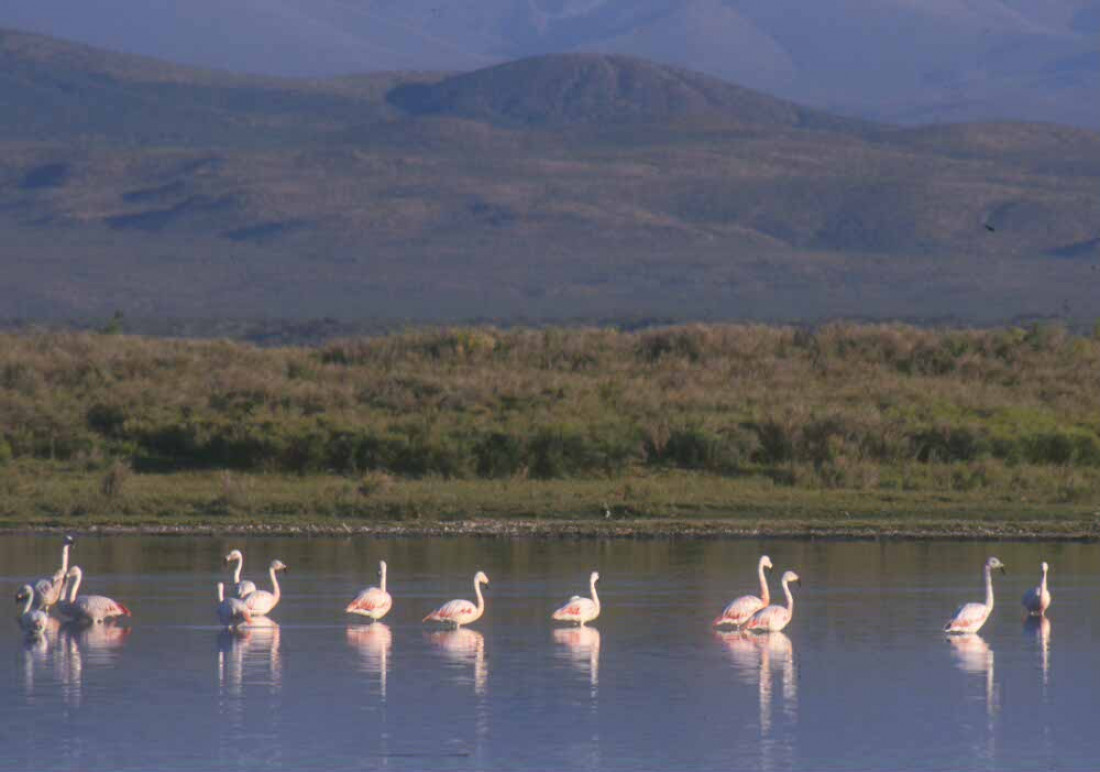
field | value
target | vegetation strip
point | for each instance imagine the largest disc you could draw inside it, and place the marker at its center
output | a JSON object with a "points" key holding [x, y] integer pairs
{"points": [[765, 429]]}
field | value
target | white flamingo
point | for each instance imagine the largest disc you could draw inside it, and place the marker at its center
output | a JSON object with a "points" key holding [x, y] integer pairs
{"points": [[772, 619], [47, 592], [739, 610], [88, 608], [32, 620], [461, 612], [971, 616], [578, 609], [239, 589], [261, 602], [373, 602], [1037, 599], [232, 611]]}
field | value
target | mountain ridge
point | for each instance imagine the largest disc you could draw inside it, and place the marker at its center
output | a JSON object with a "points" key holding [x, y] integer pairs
{"points": [[227, 196]]}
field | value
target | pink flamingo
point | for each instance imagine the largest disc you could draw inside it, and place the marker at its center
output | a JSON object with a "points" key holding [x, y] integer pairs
{"points": [[373, 602], [33, 621], [772, 619], [1037, 599], [261, 602], [461, 612], [578, 609], [971, 616], [738, 611], [240, 587], [47, 592], [232, 611], [89, 608]]}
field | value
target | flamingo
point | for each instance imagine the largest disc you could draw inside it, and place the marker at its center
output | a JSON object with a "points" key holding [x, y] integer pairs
{"points": [[373, 602], [88, 608], [33, 621], [739, 610], [261, 602], [772, 619], [47, 592], [461, 612], [232, 611], [1037, 599], [971, 616], [578, 609], [239, 589]]}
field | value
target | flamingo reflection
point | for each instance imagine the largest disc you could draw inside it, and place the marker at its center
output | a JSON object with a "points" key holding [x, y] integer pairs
{"points": [[465, 647], [582, 649], [1039, 627], [757, 660], [247, 652], [373, 642], [974, 657]]}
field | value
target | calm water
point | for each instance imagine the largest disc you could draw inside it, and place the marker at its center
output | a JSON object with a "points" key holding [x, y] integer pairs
{"points": [[862, 679]]}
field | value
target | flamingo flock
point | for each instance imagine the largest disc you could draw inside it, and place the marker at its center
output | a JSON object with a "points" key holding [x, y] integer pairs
{"points": [[241, 604]]}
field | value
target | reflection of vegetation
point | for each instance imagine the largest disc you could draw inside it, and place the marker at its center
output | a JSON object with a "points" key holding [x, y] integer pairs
{"points": [[1003, 415]]}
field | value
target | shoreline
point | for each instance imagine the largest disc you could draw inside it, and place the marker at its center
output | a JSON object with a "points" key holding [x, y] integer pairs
{"points": [[1078, 531]]}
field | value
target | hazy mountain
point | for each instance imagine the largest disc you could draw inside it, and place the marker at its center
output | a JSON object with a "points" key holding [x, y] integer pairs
{"points": [[563, 186], [895, 60]]}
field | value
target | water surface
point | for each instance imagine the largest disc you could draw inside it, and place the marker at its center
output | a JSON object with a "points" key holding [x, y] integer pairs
{"points": [[863, 678]]}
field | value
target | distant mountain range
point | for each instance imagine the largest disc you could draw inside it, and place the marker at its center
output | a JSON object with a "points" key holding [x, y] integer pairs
{"points": [[892, 60], [575, 186]]}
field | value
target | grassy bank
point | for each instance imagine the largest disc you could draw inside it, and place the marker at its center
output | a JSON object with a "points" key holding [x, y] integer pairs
{"points": [[758, 427]]}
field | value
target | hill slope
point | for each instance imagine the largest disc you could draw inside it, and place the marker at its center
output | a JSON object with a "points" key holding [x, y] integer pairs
{"points": [[494, 194]]}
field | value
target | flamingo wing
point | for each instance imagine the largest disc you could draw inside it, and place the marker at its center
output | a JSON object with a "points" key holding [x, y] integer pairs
{"points": [[371, 602], [739, 611], [47, 592], [260, 602], [244, 588], [968, 619], [578, 609], [233, 611], [453, 611], [98, 607], [770, 618]]}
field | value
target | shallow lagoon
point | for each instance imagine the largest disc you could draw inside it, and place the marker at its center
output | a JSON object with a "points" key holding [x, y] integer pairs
{"points": [[863, 677]]}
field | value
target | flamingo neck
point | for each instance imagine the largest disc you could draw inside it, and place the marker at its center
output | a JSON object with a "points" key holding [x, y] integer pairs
{"points": [[790, 598], [28, 602], [221, 592], [237, 571], [480, 598], [78, 576], [989, 587], [765, 595], [595, 597], [1043, 584], [382, 582], [274, 584], [64, 558]]}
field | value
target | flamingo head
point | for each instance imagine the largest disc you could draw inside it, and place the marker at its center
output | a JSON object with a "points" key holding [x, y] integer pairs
{"points": [[481, 578], [278, 565], [68, 541], [595, 577], [381, 567], [790, 577], [1045, 567], [74, 572], [765, 561], [23, 593], [234, 555], [995, 563]]}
